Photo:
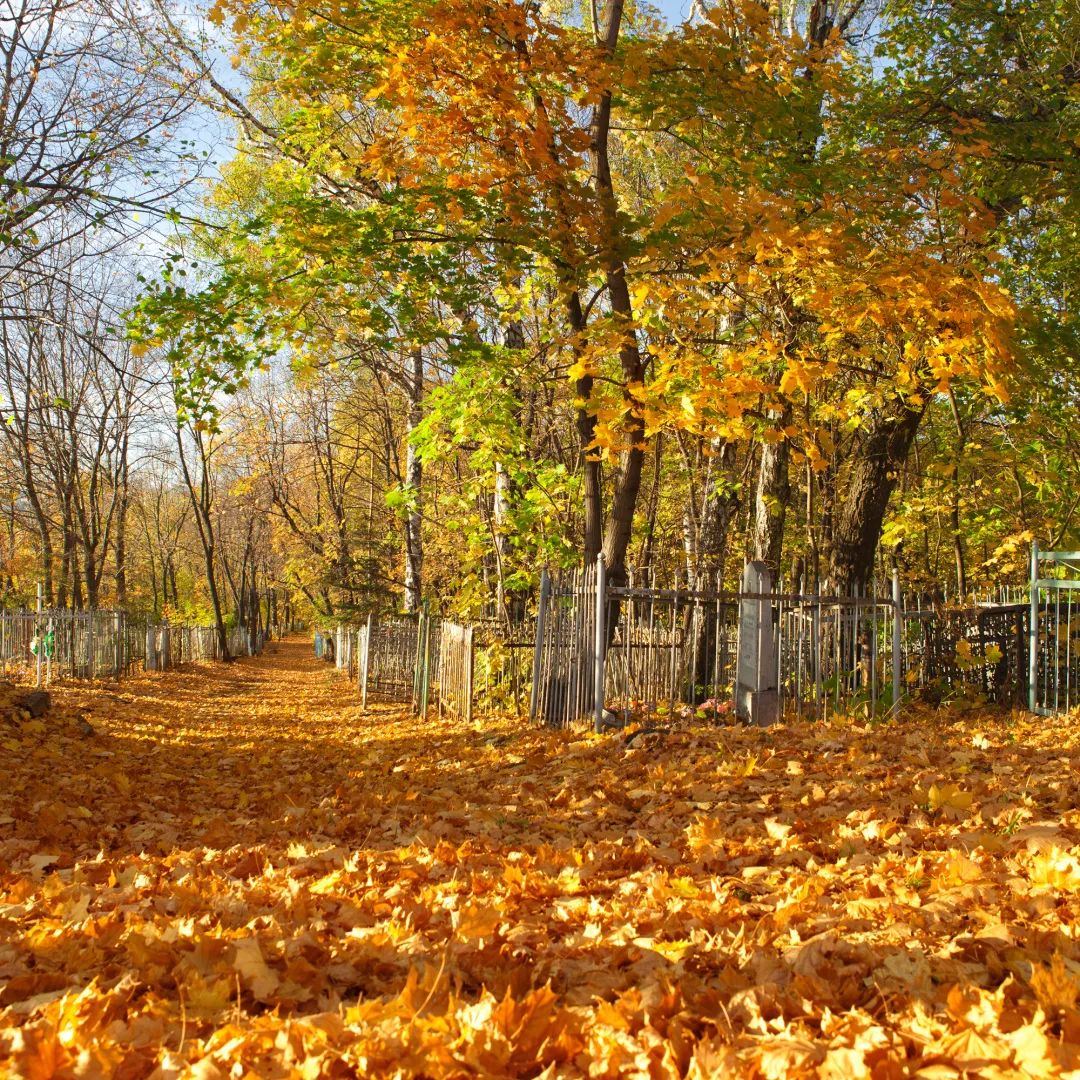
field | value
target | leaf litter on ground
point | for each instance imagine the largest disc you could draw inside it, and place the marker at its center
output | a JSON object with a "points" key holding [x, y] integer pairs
{"points": [[243, 875]]}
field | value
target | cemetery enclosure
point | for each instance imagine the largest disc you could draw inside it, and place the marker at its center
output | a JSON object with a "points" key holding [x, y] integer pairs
{"points": [[46, 646], [589, 651]]}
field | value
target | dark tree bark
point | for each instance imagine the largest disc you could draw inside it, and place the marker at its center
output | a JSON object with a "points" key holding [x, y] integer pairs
{"points": [[771, 498], [877, 462]]}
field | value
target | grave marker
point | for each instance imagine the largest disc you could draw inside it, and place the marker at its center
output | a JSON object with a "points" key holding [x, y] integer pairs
{"points": [[757, 700]]}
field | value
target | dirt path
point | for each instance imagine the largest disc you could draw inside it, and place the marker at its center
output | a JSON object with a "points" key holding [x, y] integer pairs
{"points": [[240, 875]]}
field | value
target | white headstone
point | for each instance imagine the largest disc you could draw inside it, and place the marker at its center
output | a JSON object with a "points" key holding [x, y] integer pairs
{"points": [[756, 698]]}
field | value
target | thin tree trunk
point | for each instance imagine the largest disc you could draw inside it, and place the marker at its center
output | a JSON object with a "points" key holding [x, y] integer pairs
{"points": [[620, 518], [414, 476]]}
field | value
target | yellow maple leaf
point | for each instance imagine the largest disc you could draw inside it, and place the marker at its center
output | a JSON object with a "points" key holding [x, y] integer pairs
{"points": [[477, 921], [950, 799], [251, 966]]}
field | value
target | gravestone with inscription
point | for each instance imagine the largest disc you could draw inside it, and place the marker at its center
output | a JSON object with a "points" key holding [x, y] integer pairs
{"points": [[757, 700]]}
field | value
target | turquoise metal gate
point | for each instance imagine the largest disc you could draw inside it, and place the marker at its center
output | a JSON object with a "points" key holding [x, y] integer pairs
{"points": [[1054, 631]]}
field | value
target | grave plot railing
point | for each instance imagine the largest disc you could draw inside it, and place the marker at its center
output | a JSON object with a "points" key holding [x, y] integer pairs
{"points": [[569, 647], [503, 662], [385, 654], [613, 653], [48, 645], [427, 671], [345, 651], [1054, 632], [101, 644], [455, 684], [168, 645], [681, 650], [978, 650], [610, 653]]}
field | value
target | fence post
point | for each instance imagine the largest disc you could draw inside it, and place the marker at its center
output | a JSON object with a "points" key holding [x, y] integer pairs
{"points": [[1033, 630], [150, 663], [600, 645], [423, 661], [468, 674], [37, 634], [538, 650], [365, 653], [426, 685], [166, 647], [897, 643]]}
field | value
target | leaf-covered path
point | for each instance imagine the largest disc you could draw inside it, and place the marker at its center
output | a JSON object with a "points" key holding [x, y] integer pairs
{"points": [[242, 875]]}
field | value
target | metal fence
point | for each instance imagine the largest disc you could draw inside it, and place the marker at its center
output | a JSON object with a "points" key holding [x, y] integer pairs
{"points": [[167, 646], [503, 665], [49, 645], [44, 646], [392, 659], [677, 649], [645, 648], [1054, 631], [570, 639], [455, 685]]}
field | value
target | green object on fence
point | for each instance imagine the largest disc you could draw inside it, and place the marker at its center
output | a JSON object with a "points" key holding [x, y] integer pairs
{"points": [[43, 643]]}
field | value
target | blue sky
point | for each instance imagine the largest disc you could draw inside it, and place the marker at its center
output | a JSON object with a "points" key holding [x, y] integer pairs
{"points": [[675, 11]]}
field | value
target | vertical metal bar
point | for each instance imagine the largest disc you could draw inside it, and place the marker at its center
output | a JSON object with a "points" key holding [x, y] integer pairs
{"points": [[1057, 649], [599, 645], [628, 630], [897, 669], [716, 650], [673, 620], [538, 648], [816, 649], [873, 651], [800, 645], [469, 657], [37, 681], [1068, 652], [443, 686], [650, 688], [1033, 629], [365, 661]]}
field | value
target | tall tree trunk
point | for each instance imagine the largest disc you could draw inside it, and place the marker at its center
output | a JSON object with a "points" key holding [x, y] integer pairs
{"points": [[646, 554], [954, 509], [720, 502], [771, 497], [620, 518], [591, 474], [878, 461], [414, 476], [201, 504], [514, 339]]}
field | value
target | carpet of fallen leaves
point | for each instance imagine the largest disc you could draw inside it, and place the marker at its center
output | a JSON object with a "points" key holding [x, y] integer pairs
{"points": [[242, 875]]}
